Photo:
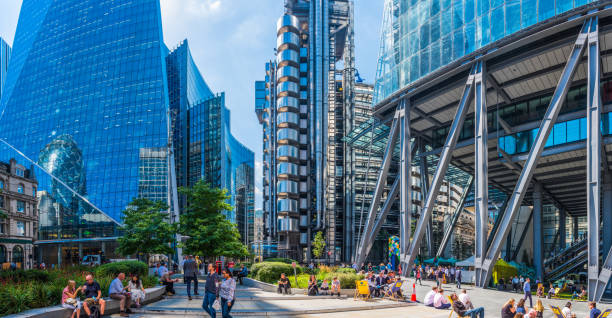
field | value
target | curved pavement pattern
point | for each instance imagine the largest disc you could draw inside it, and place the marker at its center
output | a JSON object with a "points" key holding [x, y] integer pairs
{"points": [[254, 302]]}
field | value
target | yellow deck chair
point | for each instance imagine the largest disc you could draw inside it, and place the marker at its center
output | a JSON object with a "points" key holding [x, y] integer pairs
{"points": [[362, 289], [605, 313], [557, 312], [397, 285], [452, 309]]}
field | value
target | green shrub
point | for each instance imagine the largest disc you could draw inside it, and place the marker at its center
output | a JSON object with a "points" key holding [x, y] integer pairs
{"points": [[25, 276], [127, 267], [347, 280], [280, 259], [270, 272], [347, 270]]}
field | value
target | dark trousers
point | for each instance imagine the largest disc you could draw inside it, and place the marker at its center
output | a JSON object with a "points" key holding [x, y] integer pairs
{"points": [[419, 280], [169, 287], [444, 306], [528, 294], [188, 281], [283, 288], [225, 309], [207, 304]]}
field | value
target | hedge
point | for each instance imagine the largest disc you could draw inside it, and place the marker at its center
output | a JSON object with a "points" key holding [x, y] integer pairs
{"points": [[280, 259], [25, 276], [127, 267], [347, 280], [270, 272], [346, 270]]}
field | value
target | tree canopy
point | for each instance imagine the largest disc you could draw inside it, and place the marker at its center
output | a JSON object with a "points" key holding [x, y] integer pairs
{"points": [[208, 232], [145, 229]]}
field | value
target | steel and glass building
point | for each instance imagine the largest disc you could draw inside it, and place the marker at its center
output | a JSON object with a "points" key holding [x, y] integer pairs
{"points": [[514, 94], [96, 102], [5, 57], [302, 106]]}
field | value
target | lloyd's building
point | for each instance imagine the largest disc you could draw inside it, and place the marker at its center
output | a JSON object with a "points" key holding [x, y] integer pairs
{"points": [[517, 94], [92, 101]]}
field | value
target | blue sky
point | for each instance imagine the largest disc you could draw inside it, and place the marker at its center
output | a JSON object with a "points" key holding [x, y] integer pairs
{"points": [[230, 41]]}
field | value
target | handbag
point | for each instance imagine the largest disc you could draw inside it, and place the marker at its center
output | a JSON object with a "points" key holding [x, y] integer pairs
{"points": [[71, 301]]}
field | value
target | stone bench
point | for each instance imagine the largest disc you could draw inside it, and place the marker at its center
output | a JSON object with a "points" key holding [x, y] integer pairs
{"points": [[153, 294]]}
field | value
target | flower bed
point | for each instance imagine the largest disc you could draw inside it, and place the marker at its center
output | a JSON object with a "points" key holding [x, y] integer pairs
{"points": [[22, 290]]}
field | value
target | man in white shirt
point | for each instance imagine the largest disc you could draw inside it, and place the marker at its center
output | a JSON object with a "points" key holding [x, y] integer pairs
{"points": [[429, 297], [440, 301], [465, 299], [567, 311]]}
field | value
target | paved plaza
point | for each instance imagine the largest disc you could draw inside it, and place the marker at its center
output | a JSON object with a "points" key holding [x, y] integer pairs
{"points": [[253, 302]]}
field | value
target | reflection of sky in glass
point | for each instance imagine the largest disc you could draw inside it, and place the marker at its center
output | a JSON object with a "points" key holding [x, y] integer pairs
{"points": [[94, 72], [419, 37]]}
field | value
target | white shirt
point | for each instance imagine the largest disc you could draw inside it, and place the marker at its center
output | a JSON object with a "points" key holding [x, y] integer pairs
{"points": [[429, 298], [464, 298], [439, 299], [566, 312]]}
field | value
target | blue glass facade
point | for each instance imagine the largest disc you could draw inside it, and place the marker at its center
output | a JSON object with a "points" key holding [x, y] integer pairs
{"points": [[418, 37], [5, 57], [85, 102]]}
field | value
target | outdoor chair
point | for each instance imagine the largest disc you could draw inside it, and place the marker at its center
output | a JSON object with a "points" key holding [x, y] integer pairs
{"points": [[362, 290], [557, 312], [391, 292], [605, 313], [452, 310]]}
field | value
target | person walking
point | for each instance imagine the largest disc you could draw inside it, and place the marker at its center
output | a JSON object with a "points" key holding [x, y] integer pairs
{"points": [[190, 273], [458, 274], [527, 291], [227, 292], [440, 277], [210, 291], [417, 275]]}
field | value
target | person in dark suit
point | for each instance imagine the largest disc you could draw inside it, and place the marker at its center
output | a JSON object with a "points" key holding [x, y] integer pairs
{"points": [[190, 273]]}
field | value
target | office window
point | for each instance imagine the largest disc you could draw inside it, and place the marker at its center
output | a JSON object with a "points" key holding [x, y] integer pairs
{"points": [[20, 188], [19, 172], [20, 228], [20, 206]]}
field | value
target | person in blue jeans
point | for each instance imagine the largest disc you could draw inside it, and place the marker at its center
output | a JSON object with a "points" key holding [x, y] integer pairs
{"points": [[462, 311], [211, 291], [527, 290], [226, 293]]}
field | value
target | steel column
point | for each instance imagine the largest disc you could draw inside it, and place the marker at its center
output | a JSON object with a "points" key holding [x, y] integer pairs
{"points": [[424, 169], [606, 213], [380, 220], [380, 186], [481, 152], [520, 242], [562, 232], [550, 117], [574, 229], [449, 230], [445, 156], [405, 178], [593, 157], [538, 235]]}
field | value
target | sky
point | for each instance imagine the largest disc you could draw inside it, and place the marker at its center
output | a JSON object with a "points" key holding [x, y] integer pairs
{"points": [[230, 41]]}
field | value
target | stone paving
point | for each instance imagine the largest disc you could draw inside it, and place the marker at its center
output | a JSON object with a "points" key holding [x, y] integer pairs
{"points": [[254, 302]]}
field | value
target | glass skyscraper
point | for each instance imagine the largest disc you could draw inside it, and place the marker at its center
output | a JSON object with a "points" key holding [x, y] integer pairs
{"points": [[419, 37], [5, 57], [88, 95]]}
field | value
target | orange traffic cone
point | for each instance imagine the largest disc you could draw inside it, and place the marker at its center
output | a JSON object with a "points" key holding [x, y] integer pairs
{"points": [[413, 297]]}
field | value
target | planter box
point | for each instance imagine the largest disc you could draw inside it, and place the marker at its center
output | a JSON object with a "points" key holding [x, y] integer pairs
{"points": [[153, 294]]}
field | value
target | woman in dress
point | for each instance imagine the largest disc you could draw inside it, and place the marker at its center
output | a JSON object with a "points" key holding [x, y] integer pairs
{"points": [[138, 292], [70, 299]]}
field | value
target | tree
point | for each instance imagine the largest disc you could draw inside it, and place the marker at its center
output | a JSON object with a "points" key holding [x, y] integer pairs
{"points": [[209, 233], [318, 245], [146, 229]]}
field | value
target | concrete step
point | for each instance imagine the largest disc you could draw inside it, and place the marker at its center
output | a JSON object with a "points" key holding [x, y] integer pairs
{"points": [[288, 297], [183, 311]]}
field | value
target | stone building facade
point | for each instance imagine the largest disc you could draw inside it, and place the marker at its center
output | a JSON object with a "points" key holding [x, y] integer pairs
{"points": [[19, 220]]}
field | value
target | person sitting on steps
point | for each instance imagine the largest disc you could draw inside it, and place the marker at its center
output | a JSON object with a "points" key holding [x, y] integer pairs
{"points": [[284, 285]]}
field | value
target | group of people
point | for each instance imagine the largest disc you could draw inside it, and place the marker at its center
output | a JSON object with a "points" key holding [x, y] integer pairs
{"points": [[461, 304], [513, 309], [384, 284], [441, 274], [134, 292]]}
